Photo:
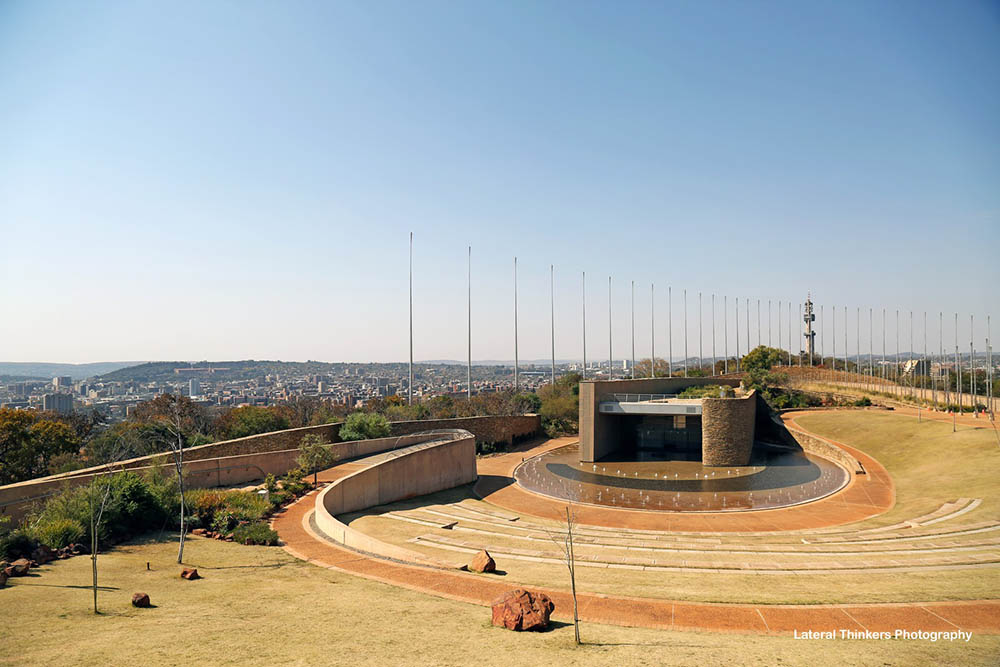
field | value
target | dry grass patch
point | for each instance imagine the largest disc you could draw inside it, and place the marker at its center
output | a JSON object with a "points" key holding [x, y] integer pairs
{"points": [[258, 605]]}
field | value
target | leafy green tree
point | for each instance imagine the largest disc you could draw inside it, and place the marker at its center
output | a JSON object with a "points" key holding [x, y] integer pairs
{"points": [[315, 454], [365, 426], [761, 358], [526, 403], [249, 420], [560, 405], [28, 444]]}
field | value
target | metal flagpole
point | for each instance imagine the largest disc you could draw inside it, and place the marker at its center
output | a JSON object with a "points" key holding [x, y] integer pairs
{"points": [[725, 333], [833, 322], [583, 294], [714, 359], [516, 378], [737, 301], [469, 367], [701, 339], [958, 369], [895, 373], [611, 365], [822, 319], [846, 371], [748, 325], [779, 333], [409, 386], [758, 322], [769, 323], [913, 374], [685, 332], [670, 333], [652, 331], [858, 332], [871, 350], [883, 344], [972, 361], [633, 330], [927, 365], [989, 365], [552, 317]]}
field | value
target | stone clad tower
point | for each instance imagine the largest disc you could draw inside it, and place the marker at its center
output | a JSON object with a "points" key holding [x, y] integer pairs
{"points": [[810, 335]]}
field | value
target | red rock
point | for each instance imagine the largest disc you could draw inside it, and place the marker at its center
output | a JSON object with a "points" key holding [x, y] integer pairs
{"points": [[522, 610], [19, 568], [43, 554], [190, 573], [140, 600], [483, 562], [199, 531]]}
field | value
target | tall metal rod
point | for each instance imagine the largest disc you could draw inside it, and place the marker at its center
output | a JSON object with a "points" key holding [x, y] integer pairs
{"points": [[748, 325], [822, 319], [633, 329], [652, 331], [858, 323], [611, 364], [670, 333], [737, 301], [780, 363], [972, 361], [517, 379], [583, 294], [758, 322], [769, 323], [883, 344], [409, 385], [958, 369], [725, 333], [468, 370], [714, 359], [895, 373], [552, 317], [701, 339], [989, 366], [833, 322], [846, 371], [913, 371], [685, 332], [947, 385], [927, 363]]}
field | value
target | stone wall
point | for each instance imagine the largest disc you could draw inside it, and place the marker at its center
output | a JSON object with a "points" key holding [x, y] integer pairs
{"points": [[727, 430]]}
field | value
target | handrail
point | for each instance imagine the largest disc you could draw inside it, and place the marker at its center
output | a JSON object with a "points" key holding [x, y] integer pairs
{"points": [[638, 398]]}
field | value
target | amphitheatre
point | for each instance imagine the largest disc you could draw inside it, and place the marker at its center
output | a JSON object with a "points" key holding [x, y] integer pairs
{"points": [[734, 526]]}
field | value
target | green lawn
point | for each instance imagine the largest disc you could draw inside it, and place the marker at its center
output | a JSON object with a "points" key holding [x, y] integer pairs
{"points": [[258, 605]]}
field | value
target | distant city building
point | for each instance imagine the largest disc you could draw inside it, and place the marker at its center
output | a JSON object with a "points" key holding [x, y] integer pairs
{"points": [[194, 388], [62, 382], [59, 403]]}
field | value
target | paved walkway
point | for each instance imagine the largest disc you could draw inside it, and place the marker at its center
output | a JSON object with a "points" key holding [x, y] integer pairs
{"points": [[865, 496], [976, 616]]}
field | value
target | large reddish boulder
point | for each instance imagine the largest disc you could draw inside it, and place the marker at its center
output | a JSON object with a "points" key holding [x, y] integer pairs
{"points": [[42, 555], [190, 573], [522, 610], [483, 562], [140, 600]]}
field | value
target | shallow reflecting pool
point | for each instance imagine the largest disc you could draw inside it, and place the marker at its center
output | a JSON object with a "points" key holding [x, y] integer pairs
{"points": [[776, 477]]}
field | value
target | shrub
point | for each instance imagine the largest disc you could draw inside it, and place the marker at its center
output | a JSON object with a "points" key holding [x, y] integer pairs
{"points": [[293, 483], [315, 454], [16, 544], [223, 510], [257, 532], [364, 426], [58, 533]]}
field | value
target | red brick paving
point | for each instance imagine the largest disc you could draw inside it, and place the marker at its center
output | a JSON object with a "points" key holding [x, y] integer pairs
{"points": [[862, 498], [978, 616]]}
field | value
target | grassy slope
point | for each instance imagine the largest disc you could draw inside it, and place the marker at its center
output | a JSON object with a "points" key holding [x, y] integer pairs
{"points": [[929, 464], [258, 605]]}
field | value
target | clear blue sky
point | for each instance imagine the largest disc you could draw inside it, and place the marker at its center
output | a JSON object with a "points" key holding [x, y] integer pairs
{"points": [[191, 180]]}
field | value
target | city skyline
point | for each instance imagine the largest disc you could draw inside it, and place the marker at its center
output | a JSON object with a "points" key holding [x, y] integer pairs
{"points": [[204, 214]]}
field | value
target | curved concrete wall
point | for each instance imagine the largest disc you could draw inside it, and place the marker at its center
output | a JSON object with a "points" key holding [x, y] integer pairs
{"points": [[727, 430], [413, 471]]}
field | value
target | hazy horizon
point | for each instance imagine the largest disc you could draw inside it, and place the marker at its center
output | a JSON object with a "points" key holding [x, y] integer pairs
{"points": [[220, 181]]}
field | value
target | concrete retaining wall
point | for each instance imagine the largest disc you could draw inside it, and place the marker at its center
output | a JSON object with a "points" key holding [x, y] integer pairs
{"points": [[727, 430], [16, 500], [414, 471]]}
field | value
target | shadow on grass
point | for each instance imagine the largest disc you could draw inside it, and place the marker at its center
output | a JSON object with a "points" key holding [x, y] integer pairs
{"points": [[86, 588]]}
